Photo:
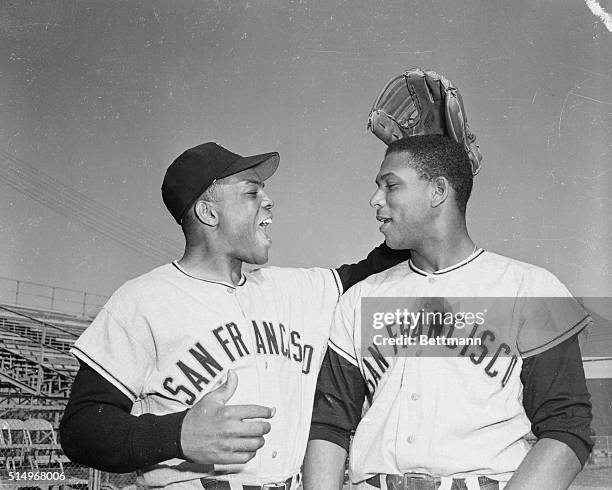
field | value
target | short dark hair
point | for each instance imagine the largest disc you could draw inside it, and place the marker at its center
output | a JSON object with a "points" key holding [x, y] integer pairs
{"points": [[439, 156]]}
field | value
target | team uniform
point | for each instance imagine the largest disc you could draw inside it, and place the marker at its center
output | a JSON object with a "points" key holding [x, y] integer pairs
{"points": [[165, 339], [458, 415]]}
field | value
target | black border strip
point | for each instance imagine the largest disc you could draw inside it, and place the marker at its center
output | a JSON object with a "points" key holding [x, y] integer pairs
{"points": [[106, 371]]}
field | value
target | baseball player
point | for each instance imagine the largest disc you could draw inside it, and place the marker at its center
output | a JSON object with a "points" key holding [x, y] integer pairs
{"points": [[455, 415], [188, 367]]}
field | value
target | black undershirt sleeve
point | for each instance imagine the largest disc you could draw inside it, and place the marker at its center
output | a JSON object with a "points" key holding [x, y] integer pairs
{"points": [[339, 398], [378, 260], [556, 399], [97, 429]]}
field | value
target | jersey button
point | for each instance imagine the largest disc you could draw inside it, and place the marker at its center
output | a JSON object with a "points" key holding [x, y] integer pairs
{"points": [[410, 439], [432, 279], [414, 396], [274, 454], [230, 290]]}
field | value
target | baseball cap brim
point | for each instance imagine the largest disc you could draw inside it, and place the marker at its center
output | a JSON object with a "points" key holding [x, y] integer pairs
{"points": [[266, 164]]}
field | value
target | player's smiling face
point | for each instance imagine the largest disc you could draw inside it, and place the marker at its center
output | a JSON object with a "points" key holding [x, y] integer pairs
{"points": [[245, 212], [402, 202]]}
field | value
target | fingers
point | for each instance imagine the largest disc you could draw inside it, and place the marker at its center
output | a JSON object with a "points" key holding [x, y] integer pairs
{"points": [[243, 444], [251, 429], [243, 412], [234, 458]]}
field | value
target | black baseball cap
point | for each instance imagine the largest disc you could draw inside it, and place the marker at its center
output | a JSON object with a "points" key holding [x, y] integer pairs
{"points": [[197, 168]]}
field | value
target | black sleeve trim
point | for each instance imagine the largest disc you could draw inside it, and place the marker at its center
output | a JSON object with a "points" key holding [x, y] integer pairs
{"points": [[556, 399], [101, 369], [577, 328], [378, 260], [338, 285], [339, 350], [335, 435], [575, 443], [339, 399], [97, 429]]}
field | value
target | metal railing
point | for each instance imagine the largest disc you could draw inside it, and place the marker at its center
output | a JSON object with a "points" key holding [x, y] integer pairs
{"points": [[36, 295], [32, 358]]}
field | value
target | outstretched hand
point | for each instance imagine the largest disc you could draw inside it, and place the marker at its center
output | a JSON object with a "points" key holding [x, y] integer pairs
{"points": [[216, 433]]}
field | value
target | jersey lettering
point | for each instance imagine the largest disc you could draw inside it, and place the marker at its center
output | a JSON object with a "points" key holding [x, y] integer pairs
{"points": [[513, 362], [372, 374], [236, 336], [485, 334], [195, 378], [259, 343], [489, 369], [271, 336], [295, 342], [307, 359], [223, 342], [207, 361], [175, 391]]}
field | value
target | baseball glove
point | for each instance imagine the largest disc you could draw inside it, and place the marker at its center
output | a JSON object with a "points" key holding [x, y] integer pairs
{"points": [[422, 102]]}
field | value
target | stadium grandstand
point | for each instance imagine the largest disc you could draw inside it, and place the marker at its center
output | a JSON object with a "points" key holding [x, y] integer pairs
{"points": [[38, 325]]}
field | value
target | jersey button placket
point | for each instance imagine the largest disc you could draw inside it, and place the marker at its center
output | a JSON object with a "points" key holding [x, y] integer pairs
{"points": [[255, 359]]}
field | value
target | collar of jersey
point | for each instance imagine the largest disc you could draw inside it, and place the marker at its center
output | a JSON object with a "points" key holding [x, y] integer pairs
{"points": [[220, 283], [474, 255]]}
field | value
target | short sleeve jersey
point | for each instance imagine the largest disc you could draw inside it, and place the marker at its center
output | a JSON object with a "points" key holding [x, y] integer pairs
{"points": [[458, 414], [165, 339]]}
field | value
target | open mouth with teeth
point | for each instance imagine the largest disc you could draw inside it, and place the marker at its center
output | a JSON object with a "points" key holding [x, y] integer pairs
{"points": [[264, 226], [384, 220]]}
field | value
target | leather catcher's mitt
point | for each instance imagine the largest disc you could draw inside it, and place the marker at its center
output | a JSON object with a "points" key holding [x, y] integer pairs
{"points": [[422, 102]]}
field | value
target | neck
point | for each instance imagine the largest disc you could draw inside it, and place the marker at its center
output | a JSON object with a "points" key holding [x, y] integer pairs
{"points": [[444, 248], [203, 263]]}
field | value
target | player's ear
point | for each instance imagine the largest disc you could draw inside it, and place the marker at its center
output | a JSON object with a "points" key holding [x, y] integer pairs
{"points": [[206, 212], [440, 190]]}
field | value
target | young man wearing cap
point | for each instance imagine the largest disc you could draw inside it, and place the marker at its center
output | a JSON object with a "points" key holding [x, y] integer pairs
{"points": [[188, 367]]}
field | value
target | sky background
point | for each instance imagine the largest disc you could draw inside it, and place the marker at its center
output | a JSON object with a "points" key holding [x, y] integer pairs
{"points": [[102, 95]]}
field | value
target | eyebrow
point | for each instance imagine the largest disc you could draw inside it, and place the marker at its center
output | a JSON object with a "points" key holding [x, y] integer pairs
{"points": [[256, 182], [383, 177]]}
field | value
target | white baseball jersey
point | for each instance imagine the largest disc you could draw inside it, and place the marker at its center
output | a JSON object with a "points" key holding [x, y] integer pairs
{"points": [[165, 339], [457, 415]]}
